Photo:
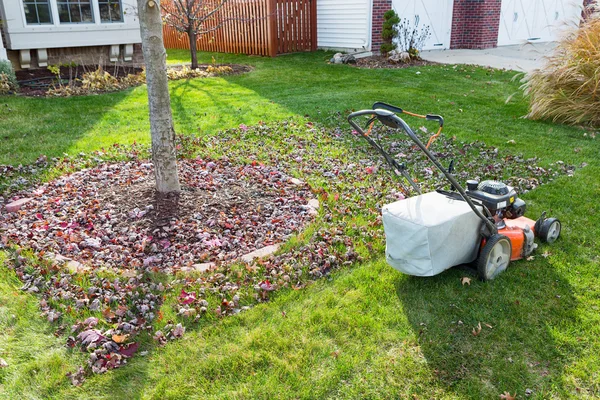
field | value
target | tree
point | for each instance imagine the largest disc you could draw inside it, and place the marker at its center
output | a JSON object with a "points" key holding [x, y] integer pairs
{"points": [[164, 155], [194, 17]]}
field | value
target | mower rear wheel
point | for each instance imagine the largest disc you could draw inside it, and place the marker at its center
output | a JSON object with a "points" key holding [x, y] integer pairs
{"points": [[494, 257], [550, 230]]}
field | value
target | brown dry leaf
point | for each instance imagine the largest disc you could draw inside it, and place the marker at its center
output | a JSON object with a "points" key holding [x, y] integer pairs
{"points": [[489, 326], [530, 258], [119, 338], [3, 363], [477, 330], [465, 280], [508, 396], [546, 254]]}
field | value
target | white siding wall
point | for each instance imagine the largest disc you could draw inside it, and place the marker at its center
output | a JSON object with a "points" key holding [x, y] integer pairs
{"points": [[19, 35], [344, 25], [2, 49]]}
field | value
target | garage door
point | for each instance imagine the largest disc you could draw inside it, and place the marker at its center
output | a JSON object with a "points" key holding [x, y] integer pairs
{"points": [[343, 25], [536, 20], [435, 13]]}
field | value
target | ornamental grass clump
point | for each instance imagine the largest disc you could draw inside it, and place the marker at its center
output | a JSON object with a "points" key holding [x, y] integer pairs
{"points": [[567, 88], [8, 80]]}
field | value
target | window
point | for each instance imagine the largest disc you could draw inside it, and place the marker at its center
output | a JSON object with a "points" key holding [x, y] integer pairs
{"points": [[75, 11], [37, 11], [110, 10]]}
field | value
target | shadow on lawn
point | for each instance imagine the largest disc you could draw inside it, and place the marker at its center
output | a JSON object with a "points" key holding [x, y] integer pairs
{"points": [[522, 313], [54, 130]]}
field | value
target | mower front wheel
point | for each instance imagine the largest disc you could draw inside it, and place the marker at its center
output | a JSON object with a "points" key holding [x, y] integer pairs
{"points": [[550, 230], [494, 257]]}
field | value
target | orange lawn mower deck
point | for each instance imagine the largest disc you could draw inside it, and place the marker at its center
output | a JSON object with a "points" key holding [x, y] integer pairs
{"points": [[429, 233]]}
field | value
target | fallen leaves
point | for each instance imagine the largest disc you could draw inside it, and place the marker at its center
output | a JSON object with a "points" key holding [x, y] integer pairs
{"points": [[477, 330], [508, 396], [104, 217]]}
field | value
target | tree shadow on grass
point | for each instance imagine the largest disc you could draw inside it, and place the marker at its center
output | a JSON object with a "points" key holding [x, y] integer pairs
{"points": [[523, 314], [41, 126]]}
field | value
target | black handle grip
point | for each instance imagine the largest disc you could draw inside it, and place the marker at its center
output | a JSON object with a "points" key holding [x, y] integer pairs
{"points": [[388, 107], [431, 117]]}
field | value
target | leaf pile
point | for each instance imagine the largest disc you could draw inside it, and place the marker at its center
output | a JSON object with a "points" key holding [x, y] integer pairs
{"points": [[109, 215]]}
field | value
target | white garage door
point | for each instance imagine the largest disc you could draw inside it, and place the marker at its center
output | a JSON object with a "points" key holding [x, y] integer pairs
{"points": [[344, 25], [536, 20], [435, 13]]}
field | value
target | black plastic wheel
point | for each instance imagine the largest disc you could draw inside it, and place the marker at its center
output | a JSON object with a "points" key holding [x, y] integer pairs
{"points": [[550, 230], [494, 257]]}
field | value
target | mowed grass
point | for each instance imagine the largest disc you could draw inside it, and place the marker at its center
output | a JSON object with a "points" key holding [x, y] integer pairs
{"points": [[365, 331]]}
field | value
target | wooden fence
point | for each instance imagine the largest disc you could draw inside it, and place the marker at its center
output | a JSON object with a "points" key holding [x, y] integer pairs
{"points": [[259, 27]]}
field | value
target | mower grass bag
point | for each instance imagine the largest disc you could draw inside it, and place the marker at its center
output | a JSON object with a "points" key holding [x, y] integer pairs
{"points": [[430, 233]]}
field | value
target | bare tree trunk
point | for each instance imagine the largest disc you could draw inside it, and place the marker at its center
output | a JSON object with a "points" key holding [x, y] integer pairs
{"points": [[164, 155], [193, 50]]}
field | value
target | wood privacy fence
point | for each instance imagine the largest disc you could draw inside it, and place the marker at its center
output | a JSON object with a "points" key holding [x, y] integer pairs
{"points": [[259, 27]]}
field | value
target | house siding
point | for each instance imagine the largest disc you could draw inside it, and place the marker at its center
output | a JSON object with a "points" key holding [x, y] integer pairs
{"points": [[344, 25]]}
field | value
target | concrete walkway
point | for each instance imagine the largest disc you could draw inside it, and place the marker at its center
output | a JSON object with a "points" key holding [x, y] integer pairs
{"points": [[525, 58]]}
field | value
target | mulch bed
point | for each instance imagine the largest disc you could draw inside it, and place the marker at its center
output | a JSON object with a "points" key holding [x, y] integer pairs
{"points": [[110, 215], [383, 62], [36, 82]]}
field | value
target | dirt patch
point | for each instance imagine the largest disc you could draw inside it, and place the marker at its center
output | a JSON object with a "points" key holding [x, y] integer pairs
{"points": [[383, 62], [37, 82], [111, 216]]}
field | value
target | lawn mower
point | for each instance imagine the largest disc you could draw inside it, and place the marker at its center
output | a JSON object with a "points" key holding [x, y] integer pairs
{"points": [[431, 232]]}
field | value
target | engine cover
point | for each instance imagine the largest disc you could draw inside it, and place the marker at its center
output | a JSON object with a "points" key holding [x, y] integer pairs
{"points": [[496, 196]]}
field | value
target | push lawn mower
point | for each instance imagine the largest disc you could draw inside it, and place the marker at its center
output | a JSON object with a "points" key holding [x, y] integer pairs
{"points": [[429, 233]]}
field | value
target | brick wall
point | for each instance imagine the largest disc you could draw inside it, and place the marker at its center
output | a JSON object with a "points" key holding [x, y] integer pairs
{"points": [[475, 24], [379, 8]]}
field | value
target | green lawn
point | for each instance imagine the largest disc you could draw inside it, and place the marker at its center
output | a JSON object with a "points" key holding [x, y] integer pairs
{"points": [[366, 331]]}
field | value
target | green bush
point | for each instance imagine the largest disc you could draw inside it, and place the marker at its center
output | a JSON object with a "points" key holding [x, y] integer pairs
{"points": [[567, 88], [389, 31], [8, 77]]}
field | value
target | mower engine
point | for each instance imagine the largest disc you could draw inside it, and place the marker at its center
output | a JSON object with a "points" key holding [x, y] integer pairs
{"points": [[498, 197]]}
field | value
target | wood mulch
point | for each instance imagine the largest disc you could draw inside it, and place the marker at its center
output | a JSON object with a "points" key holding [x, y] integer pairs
{"points": [[383, 62]]}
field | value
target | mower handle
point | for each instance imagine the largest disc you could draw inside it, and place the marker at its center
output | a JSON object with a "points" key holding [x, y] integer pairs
{"points": [[398, 110], [389, 118]]}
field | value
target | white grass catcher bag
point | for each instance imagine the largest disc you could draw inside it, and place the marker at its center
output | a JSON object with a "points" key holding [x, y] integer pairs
{"points": [[430, 233]]}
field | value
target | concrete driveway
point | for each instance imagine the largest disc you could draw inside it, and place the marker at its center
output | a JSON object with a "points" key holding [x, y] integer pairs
{"points": [[525, 58]]}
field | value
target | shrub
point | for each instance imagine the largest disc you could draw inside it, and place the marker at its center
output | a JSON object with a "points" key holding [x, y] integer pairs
{"points": [[8, 78], [567, 88], [99, 81], [410, 38], [219, 69], [389, 31], [184, 73]]}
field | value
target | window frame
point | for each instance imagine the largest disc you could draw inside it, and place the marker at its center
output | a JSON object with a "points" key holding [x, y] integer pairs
{"points": [[24, 3], [108, 3], [68, 4]]}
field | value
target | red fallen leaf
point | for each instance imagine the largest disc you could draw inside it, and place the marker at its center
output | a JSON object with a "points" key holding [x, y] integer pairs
{"points": [[129, 350], [90, 336], [266, 286], [370, 170], [508, 396], [336, 196], [187, 298]]}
